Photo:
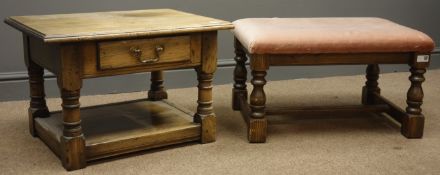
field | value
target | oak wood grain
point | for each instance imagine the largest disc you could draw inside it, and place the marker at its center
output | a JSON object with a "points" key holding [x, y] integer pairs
{"points": [[37, 104], [205, 73], [79, 46], [115, 24], [129, 126], [88, 51], [46, 54], [118, 54], [69, 82]]}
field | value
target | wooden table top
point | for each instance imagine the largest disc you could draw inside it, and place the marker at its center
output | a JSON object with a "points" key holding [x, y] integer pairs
{"points": [[116, 24]]}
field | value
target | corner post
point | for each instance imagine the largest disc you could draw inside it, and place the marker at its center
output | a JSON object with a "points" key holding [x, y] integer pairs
{"points": [[70, 83], [413, 123], [37, 106], [239, 92], [257, 130], [371, 85], [157, 91], [205, 72]]}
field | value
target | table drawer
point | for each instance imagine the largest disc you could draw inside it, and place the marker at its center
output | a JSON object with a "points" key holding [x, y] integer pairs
{"points": [[144, 52]]}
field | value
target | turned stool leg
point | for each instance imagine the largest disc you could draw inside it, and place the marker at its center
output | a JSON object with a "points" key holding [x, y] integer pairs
{"points": [[413, 124], [371, 85], [157, 91], [38, 107], [257, 121], [239, 92]]}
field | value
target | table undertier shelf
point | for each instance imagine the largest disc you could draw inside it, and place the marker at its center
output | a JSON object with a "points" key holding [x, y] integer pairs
{"points": [[125, 127]]}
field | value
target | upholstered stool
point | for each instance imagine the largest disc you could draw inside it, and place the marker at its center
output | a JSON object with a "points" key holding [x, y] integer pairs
{"points": [[329, 41]]}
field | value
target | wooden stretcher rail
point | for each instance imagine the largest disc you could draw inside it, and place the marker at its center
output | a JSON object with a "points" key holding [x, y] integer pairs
{"points": [[326, 110], [244, 109], [382, 106], [394, 111]]}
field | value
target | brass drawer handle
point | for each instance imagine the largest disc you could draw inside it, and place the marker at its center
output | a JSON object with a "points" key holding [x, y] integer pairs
{"points": [[137, 53]]}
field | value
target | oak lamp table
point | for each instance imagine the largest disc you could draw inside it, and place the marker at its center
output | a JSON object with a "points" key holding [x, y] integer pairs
{"points": [[328, 41], [88, 45]]}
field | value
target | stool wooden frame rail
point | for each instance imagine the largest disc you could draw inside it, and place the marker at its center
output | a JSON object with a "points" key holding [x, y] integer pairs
{"points": [[254, 112]]}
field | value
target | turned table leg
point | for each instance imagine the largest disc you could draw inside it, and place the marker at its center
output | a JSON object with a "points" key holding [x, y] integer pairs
{"points": [[239, 91], [157, 91], [413, 124], [72, 152], [205, 72], [205, 114], [72, 141], [371, 85], [38, 107]]}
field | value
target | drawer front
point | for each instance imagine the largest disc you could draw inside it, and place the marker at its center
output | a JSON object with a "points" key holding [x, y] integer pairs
{"points": [[144, 52]]}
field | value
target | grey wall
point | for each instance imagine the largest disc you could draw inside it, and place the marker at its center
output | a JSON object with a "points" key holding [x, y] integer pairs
{"points": [[421, 14]]}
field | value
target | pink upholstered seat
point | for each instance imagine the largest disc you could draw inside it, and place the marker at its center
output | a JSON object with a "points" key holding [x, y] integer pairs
{"points": [[328, 35]]}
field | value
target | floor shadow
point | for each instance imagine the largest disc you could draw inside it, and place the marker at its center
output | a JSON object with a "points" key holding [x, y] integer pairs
{"points": [[331, 124]]}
